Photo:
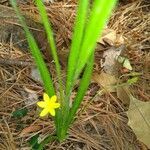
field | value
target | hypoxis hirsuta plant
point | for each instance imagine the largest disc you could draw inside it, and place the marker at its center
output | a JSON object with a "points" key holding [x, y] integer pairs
{"points": [[90, 20]]}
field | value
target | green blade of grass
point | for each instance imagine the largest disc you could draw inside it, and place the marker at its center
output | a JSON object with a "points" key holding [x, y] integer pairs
{"points": [[99, 14], [74, 52], [79, 97], [51, 42], [53, 50], [45, 75], [82, 89], [76, 42]]}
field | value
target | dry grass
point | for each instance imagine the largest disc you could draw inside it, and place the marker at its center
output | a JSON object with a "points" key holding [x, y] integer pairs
{"points": [[103, 124]]}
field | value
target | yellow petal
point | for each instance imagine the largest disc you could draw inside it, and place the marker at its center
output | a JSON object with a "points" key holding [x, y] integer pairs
{"points": [[53, 99], [52, 112], [56, 105], [44, 112], [46, 98], [41, 104]]}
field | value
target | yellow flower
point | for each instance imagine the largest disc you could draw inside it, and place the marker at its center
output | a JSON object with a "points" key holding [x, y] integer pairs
{"points": [[49, 105]]}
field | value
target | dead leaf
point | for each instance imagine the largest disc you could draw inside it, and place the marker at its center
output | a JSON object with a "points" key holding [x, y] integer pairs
{"points": [[111, 37], [30, 96], [109, 64], [123, 94], [105, 80], [35, 74], [27, 130], [139, 119]]}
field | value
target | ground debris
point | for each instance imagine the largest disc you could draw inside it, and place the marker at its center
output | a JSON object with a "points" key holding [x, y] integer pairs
{"points": [[103, 124]]}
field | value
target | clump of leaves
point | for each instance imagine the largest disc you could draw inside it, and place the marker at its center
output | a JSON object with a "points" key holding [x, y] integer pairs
{"points": [[90, 20]]}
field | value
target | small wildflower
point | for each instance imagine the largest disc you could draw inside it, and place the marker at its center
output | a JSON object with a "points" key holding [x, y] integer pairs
{"points": [[49, 105]]}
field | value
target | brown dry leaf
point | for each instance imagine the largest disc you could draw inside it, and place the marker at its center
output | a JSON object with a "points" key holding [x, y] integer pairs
{"points": [[30, 96], [105, 80], [35, 74], [32, 128], [111, 37], [139, 119], [123, 94], [110, 56]]}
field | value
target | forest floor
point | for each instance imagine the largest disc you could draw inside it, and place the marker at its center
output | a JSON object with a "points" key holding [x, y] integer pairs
{"points": [[105, 120]]}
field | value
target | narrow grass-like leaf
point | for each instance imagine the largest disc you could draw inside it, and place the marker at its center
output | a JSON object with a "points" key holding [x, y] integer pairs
{"points": [[74, 53], [79, 97], [53, 51], [82, 88], [99, 14], [51, 42], [76, 42], [45, 75]]}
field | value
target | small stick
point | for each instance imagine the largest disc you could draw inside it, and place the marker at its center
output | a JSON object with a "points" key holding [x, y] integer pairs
{"points": [[4, 61]]}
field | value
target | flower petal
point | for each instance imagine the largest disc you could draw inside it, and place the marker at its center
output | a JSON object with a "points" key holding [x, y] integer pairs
{"points": [[41, 104], [56, 105], [44, 112], [46, 98], [52, 111], [53, 99]]}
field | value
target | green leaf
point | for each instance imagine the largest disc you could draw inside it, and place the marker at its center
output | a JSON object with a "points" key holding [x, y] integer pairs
{"points": [[45, 75], [20, 113], [82, 88], [48, 139], [127, 64], [132, 80], [51, 41], [100, 12], [74, 51], [85, 36], [53, 51], [34, 142], [79, 97], [76, 42]]}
